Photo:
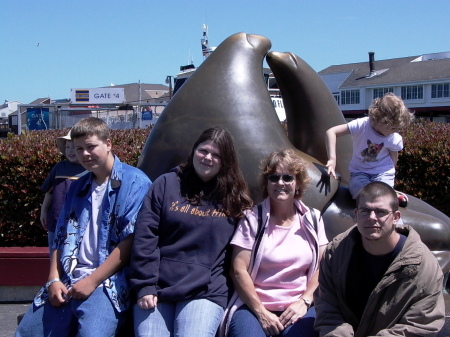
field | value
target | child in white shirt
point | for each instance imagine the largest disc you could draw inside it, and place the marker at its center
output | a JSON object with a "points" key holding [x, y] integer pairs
{"points": [[375, 143]]}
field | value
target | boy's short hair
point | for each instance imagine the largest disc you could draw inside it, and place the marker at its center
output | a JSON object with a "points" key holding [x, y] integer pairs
{"points": [[91, 126], [390, 109], [377, 189]]}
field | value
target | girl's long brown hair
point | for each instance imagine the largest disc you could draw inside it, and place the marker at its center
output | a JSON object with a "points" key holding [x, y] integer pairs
{"points": [[228, 188]]}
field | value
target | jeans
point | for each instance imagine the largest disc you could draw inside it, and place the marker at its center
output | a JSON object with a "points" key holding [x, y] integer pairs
{"points": [[244, 324], [360, 179], [195, 318], [95, 316]]}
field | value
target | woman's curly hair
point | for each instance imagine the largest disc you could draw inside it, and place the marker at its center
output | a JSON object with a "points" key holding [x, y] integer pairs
{"points": [[293, 163]]}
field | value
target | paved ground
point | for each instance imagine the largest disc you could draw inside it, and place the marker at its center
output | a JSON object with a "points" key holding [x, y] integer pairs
{"points": [[9, 313], [8, 318]]}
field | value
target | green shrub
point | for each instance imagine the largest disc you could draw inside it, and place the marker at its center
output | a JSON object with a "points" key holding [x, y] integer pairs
{"points": [[25, 160], [423, 168]]}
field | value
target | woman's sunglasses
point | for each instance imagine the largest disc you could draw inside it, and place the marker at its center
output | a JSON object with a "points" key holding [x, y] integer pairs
{"points": [[287, 178]]}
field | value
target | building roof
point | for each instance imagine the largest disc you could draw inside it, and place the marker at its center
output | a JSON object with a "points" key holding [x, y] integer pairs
{"points": [[421, 68], [61, 101], [45, 100], [149, 92]]}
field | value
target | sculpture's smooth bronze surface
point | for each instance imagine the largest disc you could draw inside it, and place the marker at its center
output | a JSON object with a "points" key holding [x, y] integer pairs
{"points": [[228, 89], [309, 117]]}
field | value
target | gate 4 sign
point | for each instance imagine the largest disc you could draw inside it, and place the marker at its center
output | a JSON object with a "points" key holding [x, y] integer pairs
{"points": [[98, 95], [38, 118]]}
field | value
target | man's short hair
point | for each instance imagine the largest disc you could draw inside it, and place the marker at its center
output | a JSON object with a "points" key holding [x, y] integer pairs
{"points": [[378, 189], [91, 126]]}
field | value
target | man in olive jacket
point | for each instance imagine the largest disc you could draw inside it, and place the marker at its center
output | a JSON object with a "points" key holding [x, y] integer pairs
{"points": [[379, 279]]}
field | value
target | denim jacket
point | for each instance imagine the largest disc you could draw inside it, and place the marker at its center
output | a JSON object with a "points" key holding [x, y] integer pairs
{"points": [[119, 215]]}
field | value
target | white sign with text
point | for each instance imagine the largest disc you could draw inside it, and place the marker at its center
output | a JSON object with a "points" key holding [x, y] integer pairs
{"points": [[98, 95]]}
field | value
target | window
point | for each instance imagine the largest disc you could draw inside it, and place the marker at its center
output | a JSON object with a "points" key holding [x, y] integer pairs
{"points": [[337, 97], [440, 90], [412, 92], [380, 92], [349, 97]]}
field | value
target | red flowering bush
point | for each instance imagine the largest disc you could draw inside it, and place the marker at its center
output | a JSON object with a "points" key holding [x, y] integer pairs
{"points": [[423, 168]]}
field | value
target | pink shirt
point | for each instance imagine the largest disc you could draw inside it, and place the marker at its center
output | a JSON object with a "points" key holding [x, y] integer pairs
{"points": [[282, 275]]}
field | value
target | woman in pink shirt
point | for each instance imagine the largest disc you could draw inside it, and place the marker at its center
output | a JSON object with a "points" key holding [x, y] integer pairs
{"points": [[276, 254]]}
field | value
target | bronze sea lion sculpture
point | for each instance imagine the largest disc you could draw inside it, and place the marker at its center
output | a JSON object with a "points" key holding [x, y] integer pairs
{"points": [[228, 89]]}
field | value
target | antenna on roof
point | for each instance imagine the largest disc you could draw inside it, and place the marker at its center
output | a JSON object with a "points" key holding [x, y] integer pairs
{"points": [[206, 49]]}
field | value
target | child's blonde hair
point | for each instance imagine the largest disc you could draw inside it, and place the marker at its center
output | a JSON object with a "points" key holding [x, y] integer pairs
{"points": [[390, 109]]}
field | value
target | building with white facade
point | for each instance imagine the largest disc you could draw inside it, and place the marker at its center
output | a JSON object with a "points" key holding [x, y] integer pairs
{"points": [[8, 108], [422, 81]]}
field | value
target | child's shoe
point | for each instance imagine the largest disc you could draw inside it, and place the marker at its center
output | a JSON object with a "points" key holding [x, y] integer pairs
{"points": [[402, 199]]}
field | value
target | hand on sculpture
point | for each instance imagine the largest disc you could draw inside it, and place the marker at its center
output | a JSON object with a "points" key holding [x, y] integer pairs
{"points": [[331, 167]]}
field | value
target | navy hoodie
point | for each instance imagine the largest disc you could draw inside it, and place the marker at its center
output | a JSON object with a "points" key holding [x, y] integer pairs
{"points": [[179, 249]]}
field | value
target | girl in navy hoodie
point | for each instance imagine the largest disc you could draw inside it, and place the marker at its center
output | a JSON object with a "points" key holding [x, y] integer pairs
{"points": [[182, 240]]}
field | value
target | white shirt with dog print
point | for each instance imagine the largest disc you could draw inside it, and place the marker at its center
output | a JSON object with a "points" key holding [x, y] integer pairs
{"points": [[370, 149]]}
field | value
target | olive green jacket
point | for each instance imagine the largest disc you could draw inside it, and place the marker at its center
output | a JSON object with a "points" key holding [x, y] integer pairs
{"points": [[408, 301]]}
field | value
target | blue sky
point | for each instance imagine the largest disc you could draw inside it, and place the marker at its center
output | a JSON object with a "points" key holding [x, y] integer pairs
{"points": [[51, 46]]}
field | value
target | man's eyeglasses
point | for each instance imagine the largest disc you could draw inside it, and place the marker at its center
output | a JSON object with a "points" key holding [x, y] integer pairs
{"points": [[379, 212], [287, 178]]}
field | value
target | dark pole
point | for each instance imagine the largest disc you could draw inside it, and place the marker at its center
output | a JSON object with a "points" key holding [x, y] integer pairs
{"points": [[169, 81]]}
